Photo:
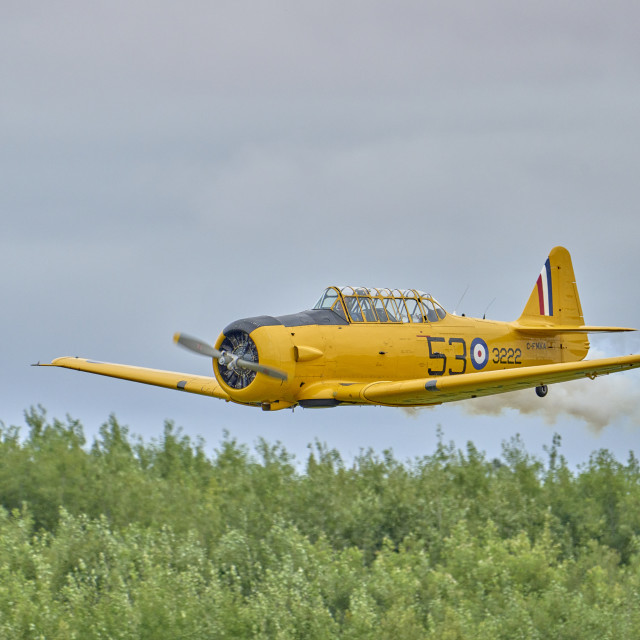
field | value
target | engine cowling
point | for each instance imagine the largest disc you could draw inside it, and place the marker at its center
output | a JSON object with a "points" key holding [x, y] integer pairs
{"points": [[267, 344]]}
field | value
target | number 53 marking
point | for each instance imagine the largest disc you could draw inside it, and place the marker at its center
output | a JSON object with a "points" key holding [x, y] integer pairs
{"points": [[461, 357]]}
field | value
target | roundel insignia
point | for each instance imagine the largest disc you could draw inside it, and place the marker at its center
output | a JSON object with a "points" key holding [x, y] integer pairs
{"points": [[479, 353]]}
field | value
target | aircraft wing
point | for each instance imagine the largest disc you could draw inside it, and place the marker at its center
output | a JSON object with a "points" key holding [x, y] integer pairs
{"points": [[427, 391], [188, 382]]}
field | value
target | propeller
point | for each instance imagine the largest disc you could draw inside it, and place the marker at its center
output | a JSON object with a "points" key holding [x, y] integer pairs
{"points": [[225, 358], [193, 344]]}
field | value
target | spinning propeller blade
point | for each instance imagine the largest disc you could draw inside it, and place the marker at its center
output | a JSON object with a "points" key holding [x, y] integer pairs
{"points": [[272, 372], [198, 346], [224, 358]]}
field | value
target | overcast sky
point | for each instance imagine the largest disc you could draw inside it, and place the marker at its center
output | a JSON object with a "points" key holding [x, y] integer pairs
{"points": [[175, 166]]}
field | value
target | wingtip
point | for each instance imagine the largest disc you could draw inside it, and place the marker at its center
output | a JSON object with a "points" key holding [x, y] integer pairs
{"points": [[45, 364], [176, 337]]}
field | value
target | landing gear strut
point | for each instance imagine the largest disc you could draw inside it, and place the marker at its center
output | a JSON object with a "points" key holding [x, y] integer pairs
{"points": [[542, 390]]}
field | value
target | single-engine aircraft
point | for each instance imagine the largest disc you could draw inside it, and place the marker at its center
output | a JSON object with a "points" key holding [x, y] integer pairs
{"points": [[365, 346]]}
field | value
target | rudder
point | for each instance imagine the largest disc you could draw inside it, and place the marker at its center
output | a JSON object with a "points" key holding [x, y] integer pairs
{"points": [[554, 299]]}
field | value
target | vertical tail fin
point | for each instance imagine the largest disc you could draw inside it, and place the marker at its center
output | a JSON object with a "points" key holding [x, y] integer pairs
{"points": [[554, 299]]}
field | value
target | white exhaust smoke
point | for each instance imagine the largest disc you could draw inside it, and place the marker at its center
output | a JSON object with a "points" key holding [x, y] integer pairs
{"points": [[597, 403], [414, 412]]}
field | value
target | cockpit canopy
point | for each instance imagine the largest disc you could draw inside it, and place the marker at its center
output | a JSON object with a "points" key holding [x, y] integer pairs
{"points": [[362, 304]]}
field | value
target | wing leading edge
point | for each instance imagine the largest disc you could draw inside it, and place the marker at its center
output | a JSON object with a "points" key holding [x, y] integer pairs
{"points": [[188, 382], [425, 391]]}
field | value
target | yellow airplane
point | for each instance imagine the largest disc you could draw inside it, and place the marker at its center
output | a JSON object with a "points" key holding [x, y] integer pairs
{"points": [[364, 346]]}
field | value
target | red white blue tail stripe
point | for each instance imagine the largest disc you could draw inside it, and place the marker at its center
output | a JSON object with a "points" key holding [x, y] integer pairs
{"points": [[545, 294]]}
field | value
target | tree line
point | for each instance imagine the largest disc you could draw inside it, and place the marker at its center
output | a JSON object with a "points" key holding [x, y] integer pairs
{"points": [[123, 538]]}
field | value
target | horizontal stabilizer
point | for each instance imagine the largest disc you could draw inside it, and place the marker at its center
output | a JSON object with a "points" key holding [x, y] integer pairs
{"points": [[564, 328]]}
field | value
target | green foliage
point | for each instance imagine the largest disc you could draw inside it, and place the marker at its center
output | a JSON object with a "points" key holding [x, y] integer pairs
{"points": [[127, 539]]}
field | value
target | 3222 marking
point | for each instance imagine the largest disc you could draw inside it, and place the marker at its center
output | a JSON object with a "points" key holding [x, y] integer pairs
{"points": [[506, 356]]}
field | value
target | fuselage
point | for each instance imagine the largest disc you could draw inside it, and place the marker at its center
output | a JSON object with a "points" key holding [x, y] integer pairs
{"points": [[327, 346]]}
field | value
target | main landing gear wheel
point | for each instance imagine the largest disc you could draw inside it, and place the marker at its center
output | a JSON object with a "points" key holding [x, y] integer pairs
{"points": [[542, 390]]}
